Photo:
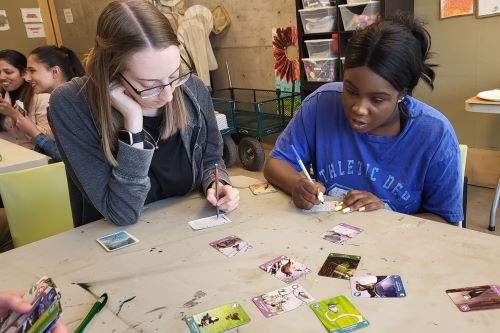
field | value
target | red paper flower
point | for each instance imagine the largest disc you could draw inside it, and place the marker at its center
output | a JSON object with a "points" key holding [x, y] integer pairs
{"points": [[285, 51]]}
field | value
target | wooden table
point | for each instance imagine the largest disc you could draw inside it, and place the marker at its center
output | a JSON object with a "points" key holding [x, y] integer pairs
{"points": [[16, 157], [475, 104], [173, 272]]}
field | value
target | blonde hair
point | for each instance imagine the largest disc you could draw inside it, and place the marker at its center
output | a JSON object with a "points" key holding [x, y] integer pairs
{"points": [[125, 27]]}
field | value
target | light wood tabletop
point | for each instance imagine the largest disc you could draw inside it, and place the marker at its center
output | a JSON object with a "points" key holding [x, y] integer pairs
{"points": [[16, 157], [173, 272]]}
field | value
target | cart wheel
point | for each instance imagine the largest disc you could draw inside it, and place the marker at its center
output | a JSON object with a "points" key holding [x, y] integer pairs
{"points": [[230, 151], [252, 154]]}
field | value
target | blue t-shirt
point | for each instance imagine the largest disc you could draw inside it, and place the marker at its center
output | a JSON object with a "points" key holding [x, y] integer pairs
{"points": [[417, 171]]}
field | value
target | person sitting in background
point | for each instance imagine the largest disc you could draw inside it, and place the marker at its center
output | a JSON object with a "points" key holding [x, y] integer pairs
{"points": [[48, 67], [139, 128], [370, 141], [13, 87]]}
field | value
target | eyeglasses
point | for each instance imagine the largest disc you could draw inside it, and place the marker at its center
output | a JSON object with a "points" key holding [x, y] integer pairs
{"points": [[155, 91]]}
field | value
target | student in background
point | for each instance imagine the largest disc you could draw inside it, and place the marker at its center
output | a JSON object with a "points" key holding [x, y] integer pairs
{"points": [[48, 67], [139, 128], [13, 87], [369, 141]]}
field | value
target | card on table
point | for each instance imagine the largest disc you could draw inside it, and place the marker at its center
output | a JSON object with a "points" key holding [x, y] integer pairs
{"points": [[476, 298], [217, 320], [285, 269], [326, 206], [377, 286], [338, 314], [341, 233], [231, 245], [117, 240], [208, 222], [340, 266], [262, 188], [282, 300]]}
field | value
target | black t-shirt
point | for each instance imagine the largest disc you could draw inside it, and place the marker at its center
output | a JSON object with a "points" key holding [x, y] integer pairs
{"points": [[170, 171]]}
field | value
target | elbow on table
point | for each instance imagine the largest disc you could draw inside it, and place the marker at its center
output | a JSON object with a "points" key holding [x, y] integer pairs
{"points": [[121, 219]]}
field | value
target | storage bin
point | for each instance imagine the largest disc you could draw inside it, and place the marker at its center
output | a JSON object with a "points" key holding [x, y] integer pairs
{"points": [[321, 48], [360, 15], [316, 20], [320, 69], [350, 2], [316, 3]]}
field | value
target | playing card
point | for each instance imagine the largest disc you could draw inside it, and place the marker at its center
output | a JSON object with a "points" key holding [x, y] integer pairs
{"points": [[377, 286], [282, 300], [231, 245], [117, 241], [285, 269], [341, 233], [262, 188], [338, 315], [340, 266], [217, 320], [326, 206], [476, 298], [208, 222], [39, 317]]}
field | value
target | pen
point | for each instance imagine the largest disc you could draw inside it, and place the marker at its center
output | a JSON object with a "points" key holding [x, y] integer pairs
{"points": [[95, 309], [217, 188], [304, 170]]}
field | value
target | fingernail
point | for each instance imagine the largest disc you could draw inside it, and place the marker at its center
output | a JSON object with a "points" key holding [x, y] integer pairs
{"points": [[346, 210], [361, 209], [337, 208]]}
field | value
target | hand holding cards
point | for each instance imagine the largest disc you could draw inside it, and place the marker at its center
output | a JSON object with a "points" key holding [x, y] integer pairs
{"points": [[45, 311]]}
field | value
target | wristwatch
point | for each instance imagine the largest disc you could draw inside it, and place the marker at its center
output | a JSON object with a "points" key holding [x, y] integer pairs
{"points": [[130, 138]]}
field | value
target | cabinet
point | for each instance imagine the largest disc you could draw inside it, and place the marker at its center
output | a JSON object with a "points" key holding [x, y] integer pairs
{"points": [[387, 8]]}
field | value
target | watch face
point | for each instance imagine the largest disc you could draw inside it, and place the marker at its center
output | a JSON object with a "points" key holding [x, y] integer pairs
{"points": [[125, 136]]}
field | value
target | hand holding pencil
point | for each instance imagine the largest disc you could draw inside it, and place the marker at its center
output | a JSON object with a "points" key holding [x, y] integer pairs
{"points": [[222, 196], [306, 193]]}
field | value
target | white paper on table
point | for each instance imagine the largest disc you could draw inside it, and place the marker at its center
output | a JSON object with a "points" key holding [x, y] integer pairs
{"points": [[208, 222]]}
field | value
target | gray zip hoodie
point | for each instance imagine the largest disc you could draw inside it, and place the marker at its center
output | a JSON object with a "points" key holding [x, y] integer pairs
{"points": [[98, 189]]}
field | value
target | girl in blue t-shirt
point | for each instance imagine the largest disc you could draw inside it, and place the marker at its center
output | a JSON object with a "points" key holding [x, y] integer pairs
{"points": [[369, 142]]}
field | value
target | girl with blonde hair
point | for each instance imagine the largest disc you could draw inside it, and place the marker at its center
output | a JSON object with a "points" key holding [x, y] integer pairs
{"points": [[139, 128]]}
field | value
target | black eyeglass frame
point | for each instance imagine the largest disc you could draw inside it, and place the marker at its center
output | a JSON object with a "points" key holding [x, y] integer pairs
{"points": [[162, 86]]}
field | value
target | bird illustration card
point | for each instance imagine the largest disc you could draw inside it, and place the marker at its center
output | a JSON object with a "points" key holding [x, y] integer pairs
{"points": [[231, 245], [372, 286], [262, 188], [218, 320], [208, 222], [282, 300], [338, 315], [117, 240], [340, 266], [285, 269], [476, 298], [341, 233]]}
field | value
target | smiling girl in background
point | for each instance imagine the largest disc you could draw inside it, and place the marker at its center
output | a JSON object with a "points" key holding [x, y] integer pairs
{"points": [[13, 87], [369, 141], [48, 67]]}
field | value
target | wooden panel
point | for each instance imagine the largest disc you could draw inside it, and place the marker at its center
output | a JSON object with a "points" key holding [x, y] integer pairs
{"points": [[483, 167]]}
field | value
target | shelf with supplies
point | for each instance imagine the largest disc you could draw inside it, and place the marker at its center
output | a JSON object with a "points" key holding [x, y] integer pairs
{"points": [[323, 22]]}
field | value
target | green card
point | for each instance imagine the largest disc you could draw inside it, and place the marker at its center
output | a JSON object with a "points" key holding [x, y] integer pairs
{"points": [[339, 315], [217, 320]]}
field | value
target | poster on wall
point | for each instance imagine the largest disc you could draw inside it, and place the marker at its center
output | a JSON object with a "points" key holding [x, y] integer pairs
{"points": [[31, 15], [453, 8], [68, 15], [486, 8], [4, 23], [286, 59], [35, 30]]}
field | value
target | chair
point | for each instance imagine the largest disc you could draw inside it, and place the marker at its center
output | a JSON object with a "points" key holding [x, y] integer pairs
{"points": [[463, 158], [36, 202]]}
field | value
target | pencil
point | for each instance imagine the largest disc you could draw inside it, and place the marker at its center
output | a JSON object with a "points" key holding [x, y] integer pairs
{"points": [[304, 170], [217, 188]]}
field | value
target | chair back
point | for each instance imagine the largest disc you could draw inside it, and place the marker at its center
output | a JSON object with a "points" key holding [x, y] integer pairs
{"points": [[36, 202], [463, 159]]}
